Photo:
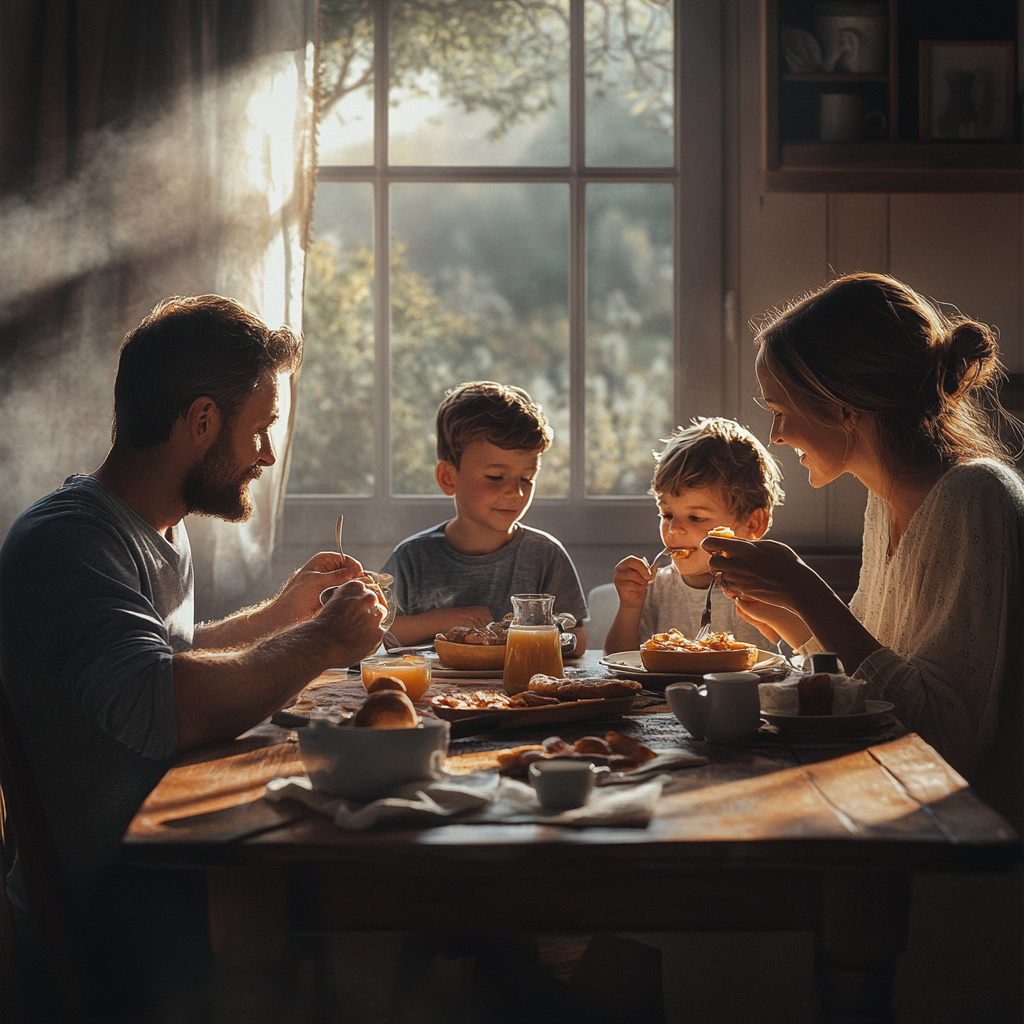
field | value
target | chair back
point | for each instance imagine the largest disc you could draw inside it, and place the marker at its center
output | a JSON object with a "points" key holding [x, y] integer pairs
{"points": [[602, 603], [25, 828]]}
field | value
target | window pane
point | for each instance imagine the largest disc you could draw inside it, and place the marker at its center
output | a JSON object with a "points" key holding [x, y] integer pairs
{"points": [[479, 291], [345, 134], [629, 83], [479, 83], [332, 449], [629, 333]]}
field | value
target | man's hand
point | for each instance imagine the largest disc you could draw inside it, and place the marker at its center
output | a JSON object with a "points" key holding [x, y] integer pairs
{"points": [[632, 578], [299, 599], [351, 621]]}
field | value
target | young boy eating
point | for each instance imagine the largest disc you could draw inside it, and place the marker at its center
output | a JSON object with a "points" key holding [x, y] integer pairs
{"points": [[463, 572], [712, 474]]}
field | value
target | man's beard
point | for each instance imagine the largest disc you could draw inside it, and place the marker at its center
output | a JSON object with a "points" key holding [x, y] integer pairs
{"points": [[209, 490]]}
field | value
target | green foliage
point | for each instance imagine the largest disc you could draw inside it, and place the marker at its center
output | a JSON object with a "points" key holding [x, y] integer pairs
{"points": [[505, 56]]}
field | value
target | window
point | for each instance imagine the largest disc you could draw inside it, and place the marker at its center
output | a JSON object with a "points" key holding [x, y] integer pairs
{"points": [[540, 180]]}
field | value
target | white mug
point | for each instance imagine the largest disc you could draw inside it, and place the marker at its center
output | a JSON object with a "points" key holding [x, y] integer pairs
{"points": [[726, 709], [561, 785], [845, 117]]}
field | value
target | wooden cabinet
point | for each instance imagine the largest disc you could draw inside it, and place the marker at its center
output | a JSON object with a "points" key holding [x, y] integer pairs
{"points": [[851, 124]]}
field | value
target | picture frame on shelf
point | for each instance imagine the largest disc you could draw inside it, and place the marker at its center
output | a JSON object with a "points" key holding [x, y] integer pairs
{"points": [[966, 90]]}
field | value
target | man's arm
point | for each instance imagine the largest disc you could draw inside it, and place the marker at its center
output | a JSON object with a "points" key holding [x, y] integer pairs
{"points": [[297, 601], [220, 694]]}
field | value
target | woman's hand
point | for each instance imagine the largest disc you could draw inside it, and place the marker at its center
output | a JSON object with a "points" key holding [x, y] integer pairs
{"points": [[765, 570], [773, 586], [774, 622]]}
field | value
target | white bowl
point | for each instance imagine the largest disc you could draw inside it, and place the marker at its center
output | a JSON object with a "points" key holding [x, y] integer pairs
{"points": [[367, 764]]}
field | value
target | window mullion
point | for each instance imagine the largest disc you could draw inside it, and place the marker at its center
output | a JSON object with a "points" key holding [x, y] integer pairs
{"points": [[577, 253], [381, 257]]}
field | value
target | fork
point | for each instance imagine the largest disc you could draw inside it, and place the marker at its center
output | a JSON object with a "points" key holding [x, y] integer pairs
{"points": [[705, 616]]}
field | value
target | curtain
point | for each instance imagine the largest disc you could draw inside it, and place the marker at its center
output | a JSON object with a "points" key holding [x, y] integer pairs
{"points": [[147, 148]]}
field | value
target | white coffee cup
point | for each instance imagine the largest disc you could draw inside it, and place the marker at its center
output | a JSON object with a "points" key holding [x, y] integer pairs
{"points": [[562, 785], [726, 709], [845, 118]]}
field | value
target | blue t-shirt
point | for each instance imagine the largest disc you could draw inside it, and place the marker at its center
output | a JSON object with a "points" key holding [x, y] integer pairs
{"points": [[429, 573], [94, 602]]}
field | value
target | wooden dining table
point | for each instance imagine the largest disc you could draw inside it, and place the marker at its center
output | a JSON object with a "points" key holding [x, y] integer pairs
{"points": [[777, 834]]}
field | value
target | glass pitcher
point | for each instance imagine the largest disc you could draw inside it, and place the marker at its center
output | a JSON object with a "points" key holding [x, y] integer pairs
{"points": [[533, 641]]}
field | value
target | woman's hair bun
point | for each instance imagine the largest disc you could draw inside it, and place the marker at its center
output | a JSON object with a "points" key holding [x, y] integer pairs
{"points": [[971, 357]]}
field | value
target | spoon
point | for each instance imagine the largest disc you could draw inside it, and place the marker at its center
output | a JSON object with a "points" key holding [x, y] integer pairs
{"points": [[337, 534]]}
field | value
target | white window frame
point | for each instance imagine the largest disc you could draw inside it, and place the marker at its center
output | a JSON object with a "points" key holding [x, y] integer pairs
{"points": [[699, 353]]}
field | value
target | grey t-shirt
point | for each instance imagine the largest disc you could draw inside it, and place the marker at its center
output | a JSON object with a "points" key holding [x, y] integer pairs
{"points": [[672, 604], [429, 573], [93, 603]]}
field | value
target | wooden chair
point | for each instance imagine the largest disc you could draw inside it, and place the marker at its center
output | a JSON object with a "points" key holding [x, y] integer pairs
{"points": [[25, 829]]}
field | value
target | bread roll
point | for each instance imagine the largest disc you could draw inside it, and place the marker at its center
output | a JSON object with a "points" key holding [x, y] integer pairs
{"points": [[386, 709], [385, 683]]}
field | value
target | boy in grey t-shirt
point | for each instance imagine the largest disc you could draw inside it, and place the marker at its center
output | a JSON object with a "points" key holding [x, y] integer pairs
{"points": [[490, 438]]}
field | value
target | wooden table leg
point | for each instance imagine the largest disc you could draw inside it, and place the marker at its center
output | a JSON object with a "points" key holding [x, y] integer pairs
{"points": [[248, 908], [863, 930]]}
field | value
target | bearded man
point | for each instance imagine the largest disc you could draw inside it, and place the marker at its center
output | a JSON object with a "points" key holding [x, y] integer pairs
{"points": [[107, 675]]}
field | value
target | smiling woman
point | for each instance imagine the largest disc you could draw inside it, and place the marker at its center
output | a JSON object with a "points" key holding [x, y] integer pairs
{"points": [[867, 377]]}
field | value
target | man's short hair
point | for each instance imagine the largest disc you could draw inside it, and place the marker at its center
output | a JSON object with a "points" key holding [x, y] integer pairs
{"points": [[482, 410], [193, 347], [719, 453]]}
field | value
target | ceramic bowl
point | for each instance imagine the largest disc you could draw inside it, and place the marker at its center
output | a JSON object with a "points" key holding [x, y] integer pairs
{"points": [[689, 662], [367, 764], [470, 656]]}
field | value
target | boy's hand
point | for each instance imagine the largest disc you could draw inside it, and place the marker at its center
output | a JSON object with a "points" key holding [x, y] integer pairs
{"points": [[632, 577]]}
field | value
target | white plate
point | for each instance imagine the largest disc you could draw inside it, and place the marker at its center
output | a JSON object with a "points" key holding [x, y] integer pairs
{"points": [[829, 726], [628, 664], [439, 670]]}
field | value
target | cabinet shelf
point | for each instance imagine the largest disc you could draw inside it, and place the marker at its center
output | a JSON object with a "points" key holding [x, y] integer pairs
{"points": [[795, 161]]}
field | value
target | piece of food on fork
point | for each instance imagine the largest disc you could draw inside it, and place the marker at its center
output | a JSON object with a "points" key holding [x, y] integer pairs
{"points": [[678, 554]]}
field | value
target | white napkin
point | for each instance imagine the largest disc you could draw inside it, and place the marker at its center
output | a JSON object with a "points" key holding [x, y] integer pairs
{"points": [[485, 799], [416, 804]]}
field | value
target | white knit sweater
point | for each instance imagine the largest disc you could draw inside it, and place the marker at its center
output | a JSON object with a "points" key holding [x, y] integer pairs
{"points": [[947, 606], [949, 610]]}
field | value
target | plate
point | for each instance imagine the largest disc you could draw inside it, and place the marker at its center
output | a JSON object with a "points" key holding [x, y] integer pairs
{"points": [[439, 670], [628, 664], [829, 726], [567, 711]]}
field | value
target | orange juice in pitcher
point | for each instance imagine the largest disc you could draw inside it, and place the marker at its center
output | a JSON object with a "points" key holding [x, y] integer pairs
{"points": [[533, 642]]}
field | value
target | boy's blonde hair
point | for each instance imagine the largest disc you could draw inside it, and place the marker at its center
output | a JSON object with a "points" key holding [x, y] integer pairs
{"points": [[716, 452], [505, 416]]}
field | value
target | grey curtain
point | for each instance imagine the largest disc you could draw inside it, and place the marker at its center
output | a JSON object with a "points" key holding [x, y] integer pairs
{"points": [[147, 148]]}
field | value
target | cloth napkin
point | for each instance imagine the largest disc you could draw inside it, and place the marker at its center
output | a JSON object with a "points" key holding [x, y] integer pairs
{"points": [[485, 798]]}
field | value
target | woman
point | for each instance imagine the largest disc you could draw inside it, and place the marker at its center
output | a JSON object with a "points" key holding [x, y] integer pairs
{"points": [[867, 377]]}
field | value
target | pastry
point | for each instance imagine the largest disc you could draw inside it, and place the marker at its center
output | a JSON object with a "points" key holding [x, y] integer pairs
{"points": [[386, 709], [673, 640], [821, 693], [620, 753], [385, 683], [583, 689]]}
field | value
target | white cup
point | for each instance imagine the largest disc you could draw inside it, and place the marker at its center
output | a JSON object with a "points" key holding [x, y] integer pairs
{"points": [[562, 785], [845, 118]]}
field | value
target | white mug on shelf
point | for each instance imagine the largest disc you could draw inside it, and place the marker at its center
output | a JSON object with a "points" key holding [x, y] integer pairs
{"points": [[845, 117]]}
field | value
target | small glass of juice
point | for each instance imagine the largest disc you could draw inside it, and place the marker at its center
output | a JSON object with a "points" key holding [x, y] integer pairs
{"points": [[410, 669]]}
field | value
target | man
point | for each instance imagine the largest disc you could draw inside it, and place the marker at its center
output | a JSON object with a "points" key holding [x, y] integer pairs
{"points": [[107, 676]]}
